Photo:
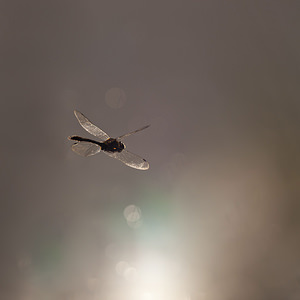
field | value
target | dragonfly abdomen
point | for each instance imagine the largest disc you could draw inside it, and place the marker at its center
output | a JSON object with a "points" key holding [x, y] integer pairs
{"points": [[81, 139]]}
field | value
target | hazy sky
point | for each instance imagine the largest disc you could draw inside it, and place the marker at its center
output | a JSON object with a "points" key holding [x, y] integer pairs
{"points": [[216, 217]]}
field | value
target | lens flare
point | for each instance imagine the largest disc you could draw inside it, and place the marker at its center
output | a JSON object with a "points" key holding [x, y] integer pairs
{"points": [[115, 98], [133, 216]]}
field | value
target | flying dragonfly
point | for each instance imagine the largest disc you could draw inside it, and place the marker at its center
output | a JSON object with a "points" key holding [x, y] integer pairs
{"points": [[113, 147]]}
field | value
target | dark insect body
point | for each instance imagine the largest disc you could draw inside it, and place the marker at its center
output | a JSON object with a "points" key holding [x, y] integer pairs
{"points": [[110, 145], [113, 147]]}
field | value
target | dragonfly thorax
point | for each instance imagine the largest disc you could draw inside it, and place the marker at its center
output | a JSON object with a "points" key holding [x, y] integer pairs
{"points": [[112, 145]]}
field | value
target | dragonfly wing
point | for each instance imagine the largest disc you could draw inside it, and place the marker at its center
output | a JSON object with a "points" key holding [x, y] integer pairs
{"points": [[90, 127], [86, 149], [130, 159], [130, 133]]}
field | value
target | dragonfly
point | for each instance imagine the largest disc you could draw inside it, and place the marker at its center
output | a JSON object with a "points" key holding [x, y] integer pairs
{"points": [[113, 147]]}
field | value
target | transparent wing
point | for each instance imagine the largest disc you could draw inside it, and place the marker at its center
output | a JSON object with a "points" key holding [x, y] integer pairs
{"points": [[86, 149], [90, 127], [130, 133], [130, 159]]}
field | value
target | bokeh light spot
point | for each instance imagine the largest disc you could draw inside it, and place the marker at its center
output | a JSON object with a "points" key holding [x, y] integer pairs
{"points": [[124, 269], [121, 267], [133, 216], [132, 213], [115, 98]]}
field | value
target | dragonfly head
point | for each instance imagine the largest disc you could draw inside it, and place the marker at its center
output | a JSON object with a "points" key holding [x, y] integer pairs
{"points": [[120, 146]]}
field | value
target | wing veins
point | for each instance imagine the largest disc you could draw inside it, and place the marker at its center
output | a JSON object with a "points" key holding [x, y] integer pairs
{"points": [[130, 159], [86, 148], [132, 132], [90, 127]]}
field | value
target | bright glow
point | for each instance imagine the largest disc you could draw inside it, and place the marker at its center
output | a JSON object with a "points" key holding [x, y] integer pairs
{"points": [[147, 296], [152, 277], [153, 271]]}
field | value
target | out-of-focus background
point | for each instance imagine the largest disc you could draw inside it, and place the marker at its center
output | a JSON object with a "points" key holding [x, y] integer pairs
{"points": [[216, 217]]}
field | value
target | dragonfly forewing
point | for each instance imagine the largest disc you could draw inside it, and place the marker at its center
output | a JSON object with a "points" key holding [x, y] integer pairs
{"points": [[90, 127]]}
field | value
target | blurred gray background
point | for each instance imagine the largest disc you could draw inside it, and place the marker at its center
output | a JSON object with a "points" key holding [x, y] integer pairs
{"points": [[216, 217]]}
